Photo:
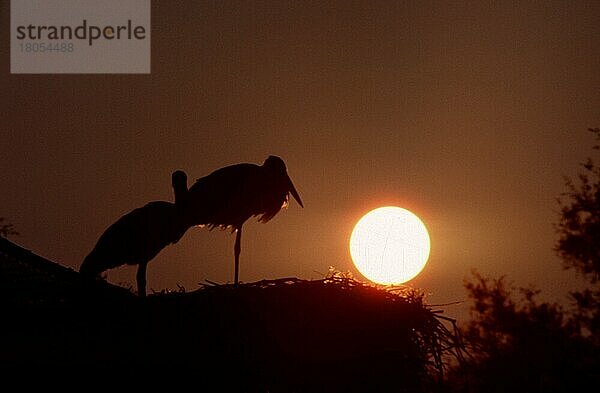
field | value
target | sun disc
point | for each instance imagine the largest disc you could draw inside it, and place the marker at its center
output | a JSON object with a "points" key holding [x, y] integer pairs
{"points": [[390, 245]]}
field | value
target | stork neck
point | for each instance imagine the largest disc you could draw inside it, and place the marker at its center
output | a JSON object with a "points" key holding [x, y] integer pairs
{"points": [[180, 193]]}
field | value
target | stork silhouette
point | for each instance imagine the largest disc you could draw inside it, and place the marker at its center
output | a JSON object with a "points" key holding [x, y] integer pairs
{"points": [[138, 236], [229, 196]]}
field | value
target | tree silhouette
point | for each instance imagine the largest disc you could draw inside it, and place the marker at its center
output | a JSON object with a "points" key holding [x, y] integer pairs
{"points": [[579, 241], [7, 229], [520, 344]]}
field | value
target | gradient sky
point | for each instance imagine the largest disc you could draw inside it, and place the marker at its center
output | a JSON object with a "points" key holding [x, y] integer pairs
{"points": [[469, 114]]}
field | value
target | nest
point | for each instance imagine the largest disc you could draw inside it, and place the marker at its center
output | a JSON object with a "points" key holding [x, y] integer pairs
{"points": [[333, 334]]}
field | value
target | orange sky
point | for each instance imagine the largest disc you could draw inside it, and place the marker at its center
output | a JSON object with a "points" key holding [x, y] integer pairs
{"points": [[467, 114]]}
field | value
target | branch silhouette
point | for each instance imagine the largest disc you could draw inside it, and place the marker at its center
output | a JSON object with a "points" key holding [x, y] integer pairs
{"points": [[7, 229]]}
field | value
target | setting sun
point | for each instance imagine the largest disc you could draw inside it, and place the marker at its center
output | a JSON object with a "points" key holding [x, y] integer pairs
{"points": [[390, 245]]}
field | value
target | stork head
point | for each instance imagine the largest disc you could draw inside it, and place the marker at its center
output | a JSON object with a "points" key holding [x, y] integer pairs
{"points": [[275, 166], [179, 183]]}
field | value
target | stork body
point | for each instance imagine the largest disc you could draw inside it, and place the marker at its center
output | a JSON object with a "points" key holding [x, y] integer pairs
{"points": [[138, 236], [229, 196]]}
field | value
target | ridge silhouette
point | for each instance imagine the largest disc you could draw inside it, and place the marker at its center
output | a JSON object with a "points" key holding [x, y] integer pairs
{"points": [[138, 236], [228, 197]]}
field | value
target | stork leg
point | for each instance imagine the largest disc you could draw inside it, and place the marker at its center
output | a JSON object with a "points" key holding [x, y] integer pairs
{"points": [[237, 249], [141, 279]]}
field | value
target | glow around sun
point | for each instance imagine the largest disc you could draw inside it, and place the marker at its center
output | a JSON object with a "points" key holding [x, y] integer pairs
{"points": [[390, 245]]}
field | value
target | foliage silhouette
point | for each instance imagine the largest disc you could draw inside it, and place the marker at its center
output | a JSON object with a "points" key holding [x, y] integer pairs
{"points": [[579, 241], [7, 229], [517, 343]]}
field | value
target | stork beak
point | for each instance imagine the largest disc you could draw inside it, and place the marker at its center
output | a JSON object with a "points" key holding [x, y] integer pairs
{"points": [[295, 193]]}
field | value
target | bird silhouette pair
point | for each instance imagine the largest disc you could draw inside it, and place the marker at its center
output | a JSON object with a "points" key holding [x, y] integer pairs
{"points": [[226, 198]]}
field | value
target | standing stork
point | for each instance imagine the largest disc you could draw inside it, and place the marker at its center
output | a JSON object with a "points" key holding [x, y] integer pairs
{"points": [[138, 236], [229, 196]]}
